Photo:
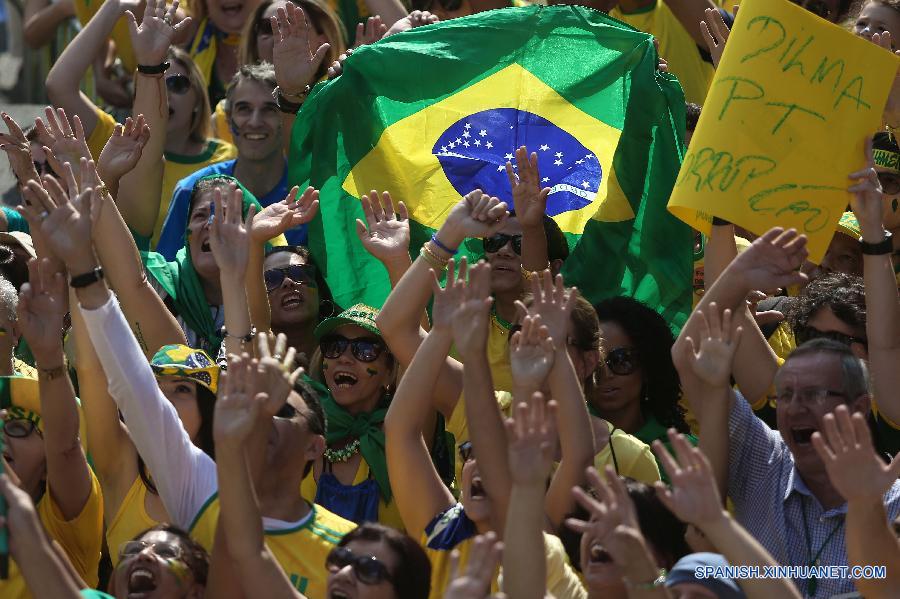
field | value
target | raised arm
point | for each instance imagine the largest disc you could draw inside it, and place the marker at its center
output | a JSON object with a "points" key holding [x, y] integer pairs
{"points": [[64, 79], [417, 487], [151, 41], [471, 323], [184, 475], [271, 222], [532, 439], [530, 204], [18, 151], [476, 215], [238, 408], [859, 475], [695, 500], [42, 307], [882, 299], [42, 18], [554, 304]]}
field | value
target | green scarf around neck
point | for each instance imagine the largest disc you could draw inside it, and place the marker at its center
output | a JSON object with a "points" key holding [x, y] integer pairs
{"points": [[369, 429], [181, 282]]}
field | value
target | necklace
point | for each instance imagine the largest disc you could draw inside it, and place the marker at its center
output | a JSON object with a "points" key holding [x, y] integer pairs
{"points": [[343, 454], [813, 584]]}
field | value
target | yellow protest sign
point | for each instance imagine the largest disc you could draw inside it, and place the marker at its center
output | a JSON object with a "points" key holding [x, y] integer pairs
{"points": [[784, 124]]}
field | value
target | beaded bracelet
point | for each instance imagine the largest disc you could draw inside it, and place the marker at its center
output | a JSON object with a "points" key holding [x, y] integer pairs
{"points": [[432, 259]]}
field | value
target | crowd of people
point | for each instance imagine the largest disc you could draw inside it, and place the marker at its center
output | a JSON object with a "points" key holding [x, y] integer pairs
{"points": [[188, 413]]}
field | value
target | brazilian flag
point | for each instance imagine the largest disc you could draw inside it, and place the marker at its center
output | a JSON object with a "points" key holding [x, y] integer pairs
{"points": [[435, 112]]}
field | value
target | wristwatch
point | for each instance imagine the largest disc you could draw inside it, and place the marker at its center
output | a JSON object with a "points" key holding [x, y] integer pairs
{"points": [[885, 246], [88, 278]]}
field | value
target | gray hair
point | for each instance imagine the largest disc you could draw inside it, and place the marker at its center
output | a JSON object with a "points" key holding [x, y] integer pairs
{"points": [[855, 374], [9, 299], [260, 72]]}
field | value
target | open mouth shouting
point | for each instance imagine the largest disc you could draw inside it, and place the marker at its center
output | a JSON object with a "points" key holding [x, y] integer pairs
{"points": [[232, 9], [476, 490], [802, 435], [344, 380], [141, 582], [292, 300]]}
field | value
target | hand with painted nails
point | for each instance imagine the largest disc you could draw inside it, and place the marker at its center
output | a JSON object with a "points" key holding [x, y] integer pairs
{"points": [[385, 234]]}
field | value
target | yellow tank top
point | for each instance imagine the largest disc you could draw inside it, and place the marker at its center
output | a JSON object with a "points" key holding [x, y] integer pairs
{"points": [[131, 519], [629, 456], [388, 513], [300, 551]]}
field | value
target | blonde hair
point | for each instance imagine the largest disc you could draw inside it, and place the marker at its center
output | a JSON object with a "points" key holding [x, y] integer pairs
{"points": [[321, 17], [201, 127]]}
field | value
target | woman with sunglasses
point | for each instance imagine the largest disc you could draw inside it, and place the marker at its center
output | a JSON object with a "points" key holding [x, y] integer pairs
{"points": [[173, 101], [292, 287], [636, 388], [360, 374]]}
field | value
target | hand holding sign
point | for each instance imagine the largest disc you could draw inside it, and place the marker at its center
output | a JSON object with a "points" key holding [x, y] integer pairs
{"points": [[787, 113]]}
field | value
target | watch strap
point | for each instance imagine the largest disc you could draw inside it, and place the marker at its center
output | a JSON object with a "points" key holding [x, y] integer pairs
{"points": [[885, 246], [88, 278], [155, 69]]}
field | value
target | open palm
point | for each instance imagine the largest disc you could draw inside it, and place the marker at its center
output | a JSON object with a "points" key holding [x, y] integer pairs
{"points": [[42, 306], [385, 233], [292, 211], [123, 149], [295, 62]]}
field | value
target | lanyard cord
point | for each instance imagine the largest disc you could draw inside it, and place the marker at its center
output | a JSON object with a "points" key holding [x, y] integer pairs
{"points": [[812, 583]]}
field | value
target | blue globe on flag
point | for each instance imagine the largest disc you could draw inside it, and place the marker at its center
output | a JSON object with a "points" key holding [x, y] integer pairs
{"points": [[475, 149]]}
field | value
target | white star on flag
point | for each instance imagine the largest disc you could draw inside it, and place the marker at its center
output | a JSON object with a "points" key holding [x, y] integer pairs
{"points": [[466, 144], [589, 156], [443, 148], [477, 142], [483, 132], [559, 154], [489, 145], [557, 162], [545, 179], [458, 140], [468, 126], [585, 184], [544, 148], [580, 161], [466, 134], [508, 156], [500, 168]]}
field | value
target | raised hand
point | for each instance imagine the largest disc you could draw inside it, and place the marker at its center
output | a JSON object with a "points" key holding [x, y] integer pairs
{"points": [[472, 317], [476, 215], [337, 67], [292, 211], [43, 303], [529, 198], [151, 40], [867, 202], [18, 151], [715, 33], [123, 149], [693, 496], [296, 62], [66, 140], [718, 342], [238, 402], [474, 581], [228, 236], [65, 219], [532, 441], [371, 32], [531, 354], [387, 235], [277, 374], [416, 18], [771, 261], [855, 470], [553, 303], [611, 512], [447, 299]]}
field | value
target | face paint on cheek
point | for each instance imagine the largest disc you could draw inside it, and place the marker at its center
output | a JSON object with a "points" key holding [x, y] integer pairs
{"points": [[180, 570], [371, 371]]}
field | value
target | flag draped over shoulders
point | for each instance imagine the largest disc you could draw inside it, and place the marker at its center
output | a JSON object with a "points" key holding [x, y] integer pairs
{"points": [[435, 112]]}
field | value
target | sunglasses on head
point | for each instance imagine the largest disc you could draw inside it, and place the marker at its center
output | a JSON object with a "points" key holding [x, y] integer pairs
{"points": [[465, 451], [19, 428], [367, 569], [496, 243], [304, 274], [364, 349], [168, 551], [622, 361], [178, 84], [802, 334]]}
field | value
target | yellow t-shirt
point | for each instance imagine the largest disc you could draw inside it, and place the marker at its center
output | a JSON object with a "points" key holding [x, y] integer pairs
{"points": [[300, 551], [131, 520], [675, 45], [458, 426], [178, 167], [81, 539], [388, 513], [97, 138], [699, 280], [633, 457], [85, 11]]}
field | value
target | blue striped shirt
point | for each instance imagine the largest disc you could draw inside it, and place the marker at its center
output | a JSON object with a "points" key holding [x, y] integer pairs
{"points": [[770, 499]]}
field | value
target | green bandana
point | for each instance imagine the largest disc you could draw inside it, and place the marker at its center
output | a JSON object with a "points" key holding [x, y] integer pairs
{"points": [[369, 429], [181, 282]]}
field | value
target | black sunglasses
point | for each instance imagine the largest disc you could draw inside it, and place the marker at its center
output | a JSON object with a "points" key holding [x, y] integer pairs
{"points": [[304, 274], [496, 243], [622, 361], [367, 568], [465, 451], [178, 84], [802, 334], [19, 428], [364, 349]]}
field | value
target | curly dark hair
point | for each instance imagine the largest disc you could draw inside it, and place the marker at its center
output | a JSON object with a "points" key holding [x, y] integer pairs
{"points": [[412, 579], [845, 294], [653, 340]]}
